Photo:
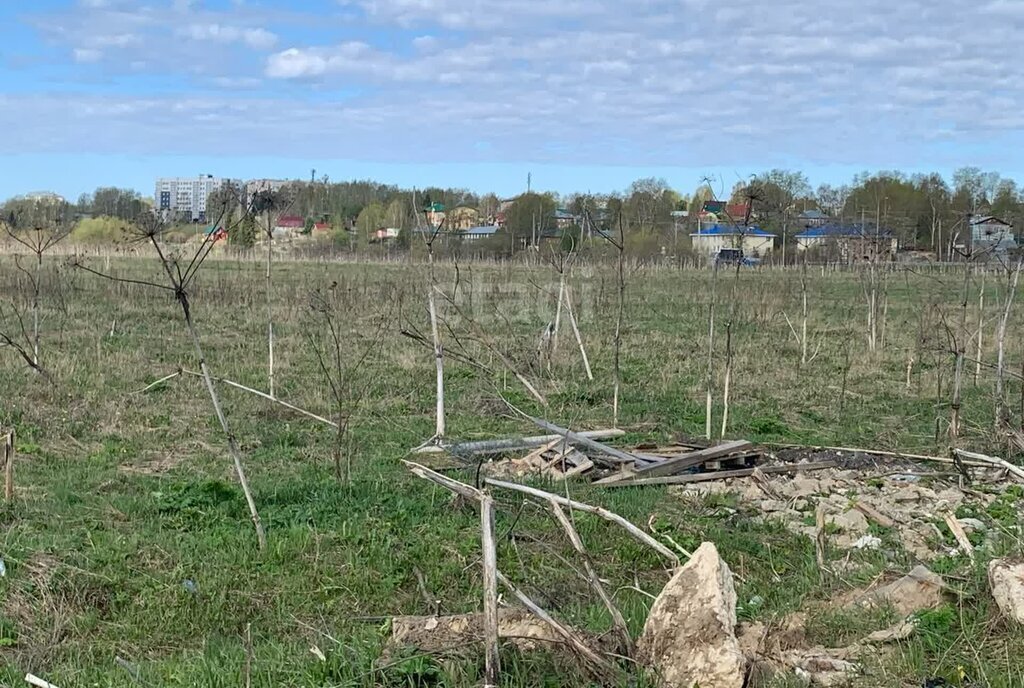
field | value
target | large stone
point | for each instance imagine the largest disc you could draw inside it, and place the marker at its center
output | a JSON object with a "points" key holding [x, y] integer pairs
{"points": [[919, 589], [1006, 579], [690, 635]]}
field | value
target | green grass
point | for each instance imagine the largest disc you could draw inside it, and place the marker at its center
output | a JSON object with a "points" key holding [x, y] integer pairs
{"points": [[130, 537]]}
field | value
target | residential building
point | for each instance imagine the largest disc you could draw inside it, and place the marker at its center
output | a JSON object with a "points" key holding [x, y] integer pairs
{"points": [[187, 195], [812, 218], [563, 218], [991, 235], [384, 235], [720, 212], [435, 214], [752, 240], [477, 233], [289, 226], [849, 242]]}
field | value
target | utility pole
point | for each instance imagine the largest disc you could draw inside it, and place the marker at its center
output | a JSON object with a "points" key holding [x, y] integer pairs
{"points": [[529, 181]]}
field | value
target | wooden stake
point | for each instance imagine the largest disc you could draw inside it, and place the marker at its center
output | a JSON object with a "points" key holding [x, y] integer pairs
{"points": [[490, 578], [8, 450]]}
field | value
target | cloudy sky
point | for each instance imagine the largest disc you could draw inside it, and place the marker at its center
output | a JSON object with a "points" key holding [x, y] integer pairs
{"points": [[583, 94]]}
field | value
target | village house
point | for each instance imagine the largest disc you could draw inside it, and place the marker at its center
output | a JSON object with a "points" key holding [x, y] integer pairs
{"points": [[990, 234], [477, 233], [722, 213], [848, 242], [812, 218], [288, 226], [752, 240], [435, 213], [383, 235]]}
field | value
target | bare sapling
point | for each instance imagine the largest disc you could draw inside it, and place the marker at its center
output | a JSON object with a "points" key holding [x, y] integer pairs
{"points": [[270, 205], [1002, 409], [620, 247], [709, 378], [430, 235], [38, 238], [728, 377], [180, 278], [342, 362], [981, 328]]}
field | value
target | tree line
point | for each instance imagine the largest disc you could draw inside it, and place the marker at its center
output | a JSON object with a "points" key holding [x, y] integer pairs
{"points": [[925, 211]]}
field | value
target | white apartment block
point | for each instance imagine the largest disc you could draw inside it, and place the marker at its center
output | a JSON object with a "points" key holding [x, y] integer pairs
{"points": [[187, 195]]}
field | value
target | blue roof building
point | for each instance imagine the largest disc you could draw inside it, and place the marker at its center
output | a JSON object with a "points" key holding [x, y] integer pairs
{"points": [[850, 241], [751, 239]]}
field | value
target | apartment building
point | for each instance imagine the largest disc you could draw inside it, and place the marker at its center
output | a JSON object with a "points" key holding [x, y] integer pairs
{"points": [[187, 196]]}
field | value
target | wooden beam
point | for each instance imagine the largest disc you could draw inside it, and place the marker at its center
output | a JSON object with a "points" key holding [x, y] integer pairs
{"points": [[680, 463], [723, 475]]}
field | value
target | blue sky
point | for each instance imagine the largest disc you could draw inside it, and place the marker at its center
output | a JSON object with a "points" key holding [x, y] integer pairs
{"points": [[583, 94]]}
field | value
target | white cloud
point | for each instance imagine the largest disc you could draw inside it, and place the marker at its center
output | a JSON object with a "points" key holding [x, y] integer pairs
{"points": [[86, 55], [665, 80], [259, 39]]}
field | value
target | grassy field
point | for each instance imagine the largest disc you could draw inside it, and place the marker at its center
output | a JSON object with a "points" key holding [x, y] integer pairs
{"points": [[129, 536]]}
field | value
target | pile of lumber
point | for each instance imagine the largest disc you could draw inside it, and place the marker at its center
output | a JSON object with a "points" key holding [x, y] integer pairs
{"points": [[567, 454]]}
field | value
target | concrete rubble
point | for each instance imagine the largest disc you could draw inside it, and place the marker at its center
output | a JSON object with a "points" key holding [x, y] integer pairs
{"points": [[854, 506], [1006, 580]]}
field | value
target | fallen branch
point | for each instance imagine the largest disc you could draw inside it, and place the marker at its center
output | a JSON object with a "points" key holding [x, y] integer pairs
{"points": [[883, 452], [159, 382], [596, 510], [593, 578], [560, 629], [459, 488], [723, 475]]}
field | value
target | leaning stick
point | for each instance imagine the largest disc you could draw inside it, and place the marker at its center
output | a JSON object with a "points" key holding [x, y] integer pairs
{"points": [[959, 535], [459, 488], [266, 396], [596, 510], [560, 629], [576, 333], [595, 581], [158, 382]]}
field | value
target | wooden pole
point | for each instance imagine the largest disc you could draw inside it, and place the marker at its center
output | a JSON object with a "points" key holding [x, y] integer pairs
{"points": [[492, 660]]}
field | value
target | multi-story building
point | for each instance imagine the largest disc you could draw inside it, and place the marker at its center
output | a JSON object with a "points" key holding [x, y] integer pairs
{"points": [[187, 195]]}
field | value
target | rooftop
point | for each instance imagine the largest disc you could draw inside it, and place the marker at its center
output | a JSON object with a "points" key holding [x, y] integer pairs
{"points": [[733, 230], [843, 230]]}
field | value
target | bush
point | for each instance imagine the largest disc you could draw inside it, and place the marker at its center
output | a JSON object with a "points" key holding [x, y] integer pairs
{"points": [[100, 230]]}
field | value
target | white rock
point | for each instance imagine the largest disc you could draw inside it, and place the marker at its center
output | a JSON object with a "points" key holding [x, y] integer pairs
{"points": [[1006, 580], [689, 638]]}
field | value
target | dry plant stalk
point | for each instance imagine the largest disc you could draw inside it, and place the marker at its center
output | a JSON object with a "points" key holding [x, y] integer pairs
{"points": [[576, 333], [149, 229]]}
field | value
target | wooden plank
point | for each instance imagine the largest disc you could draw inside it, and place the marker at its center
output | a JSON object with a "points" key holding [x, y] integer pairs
{"points": [[723, 475], [497, 446], [682, 462]]}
